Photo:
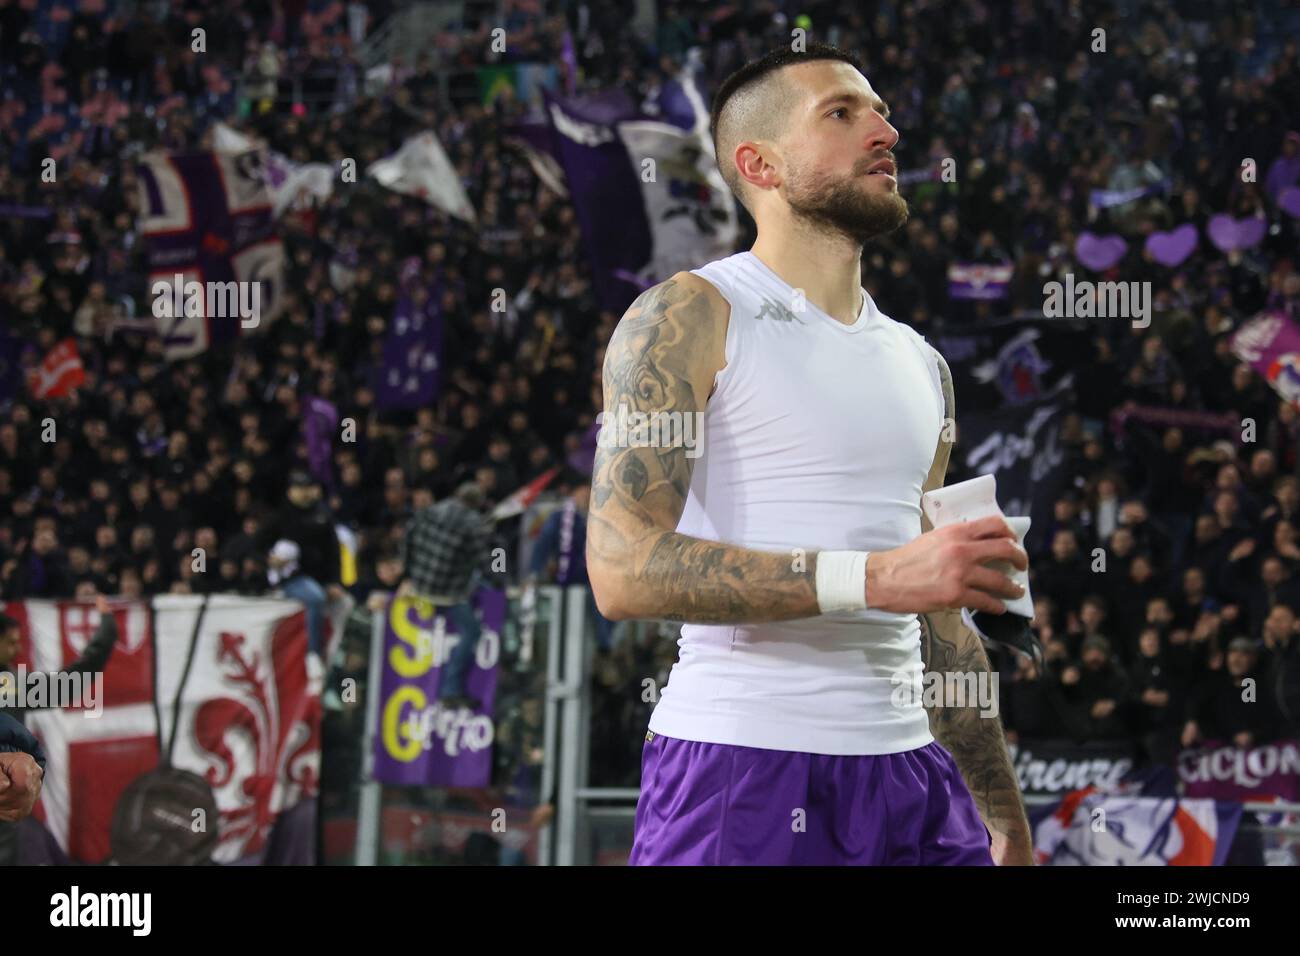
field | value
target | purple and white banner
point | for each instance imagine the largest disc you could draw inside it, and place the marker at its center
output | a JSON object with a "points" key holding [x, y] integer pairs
{"points": [[645, 185], [1105, 198], [1265, 772], [1093, 828], [290, 184], [977, 280], [537, 142], [1270, 344], [207, 220], [409, 374], [420, 742]]}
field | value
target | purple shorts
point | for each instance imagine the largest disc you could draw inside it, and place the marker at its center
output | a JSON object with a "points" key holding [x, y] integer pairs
{"points": [[708, 804]]}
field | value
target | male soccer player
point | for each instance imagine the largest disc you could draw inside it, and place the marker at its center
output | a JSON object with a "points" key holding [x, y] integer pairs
{"points": [[791, 541]]}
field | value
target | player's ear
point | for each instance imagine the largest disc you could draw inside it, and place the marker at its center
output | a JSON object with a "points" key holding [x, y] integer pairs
{"points": [[758, 164]]}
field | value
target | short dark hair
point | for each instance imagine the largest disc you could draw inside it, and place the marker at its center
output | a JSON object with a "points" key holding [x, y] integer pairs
{"points": [[7, 623], [757, 70], [770, 62]]}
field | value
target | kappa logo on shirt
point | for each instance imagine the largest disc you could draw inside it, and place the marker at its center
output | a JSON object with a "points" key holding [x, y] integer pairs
{"points": [[774, 310]]}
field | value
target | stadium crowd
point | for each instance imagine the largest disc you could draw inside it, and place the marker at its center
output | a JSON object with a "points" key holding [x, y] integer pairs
{"points": [[1201, 588]]}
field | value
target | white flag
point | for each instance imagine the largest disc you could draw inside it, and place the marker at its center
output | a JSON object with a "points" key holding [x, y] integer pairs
{"points": [[227, 139], [421, 168], [691, 211], [286, 181]]}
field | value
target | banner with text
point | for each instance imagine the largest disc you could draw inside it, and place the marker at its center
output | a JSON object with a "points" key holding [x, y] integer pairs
{"points": [[1021, 447], [419, 741], [1269, 771], [1056, 768]]}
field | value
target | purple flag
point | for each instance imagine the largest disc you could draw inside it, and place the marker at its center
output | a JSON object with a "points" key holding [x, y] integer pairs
{"points": [[421, 743], [645, 185], [605, 189], [1270, 344], [320, 422], [410, 372]]}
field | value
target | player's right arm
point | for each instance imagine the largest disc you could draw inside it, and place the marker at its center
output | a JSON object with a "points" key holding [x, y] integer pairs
{"points": [[662, 358]]}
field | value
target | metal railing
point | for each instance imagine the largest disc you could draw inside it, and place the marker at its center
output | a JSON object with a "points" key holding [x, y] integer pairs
{"points": [[592, 788]]}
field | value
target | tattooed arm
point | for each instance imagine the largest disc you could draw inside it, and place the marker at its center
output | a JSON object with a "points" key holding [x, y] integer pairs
{"points": [[662, 358], [977, 743]]}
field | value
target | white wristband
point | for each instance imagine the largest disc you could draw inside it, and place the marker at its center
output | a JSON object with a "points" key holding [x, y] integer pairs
{"points": [[841, 580]]}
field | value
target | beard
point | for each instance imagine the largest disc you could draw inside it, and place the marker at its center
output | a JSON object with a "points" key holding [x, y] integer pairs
{"points": [[846, 204]]}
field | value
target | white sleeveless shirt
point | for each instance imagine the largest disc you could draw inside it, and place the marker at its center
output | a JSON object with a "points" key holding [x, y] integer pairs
{"points": [[819, 435]]}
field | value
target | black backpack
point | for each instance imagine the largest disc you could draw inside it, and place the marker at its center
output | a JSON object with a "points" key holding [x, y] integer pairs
{"points": [[153, 823]]}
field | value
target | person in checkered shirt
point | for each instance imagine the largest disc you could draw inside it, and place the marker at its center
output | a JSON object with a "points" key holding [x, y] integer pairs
{"points": [[446, 546]]}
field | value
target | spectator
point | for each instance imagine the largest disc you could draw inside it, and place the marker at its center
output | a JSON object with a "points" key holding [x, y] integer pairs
{"points": [[560, 555], [1231, 705], [1274, 585], [43, 572], [1033, 707], [309, 571], [446, 549], [1101, 691], [1281, 666], [1156, 698]]}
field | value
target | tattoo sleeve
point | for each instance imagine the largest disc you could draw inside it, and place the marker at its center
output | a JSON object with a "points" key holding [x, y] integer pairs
{"points": [[662, 359], [975, 740], [977, 743]]}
